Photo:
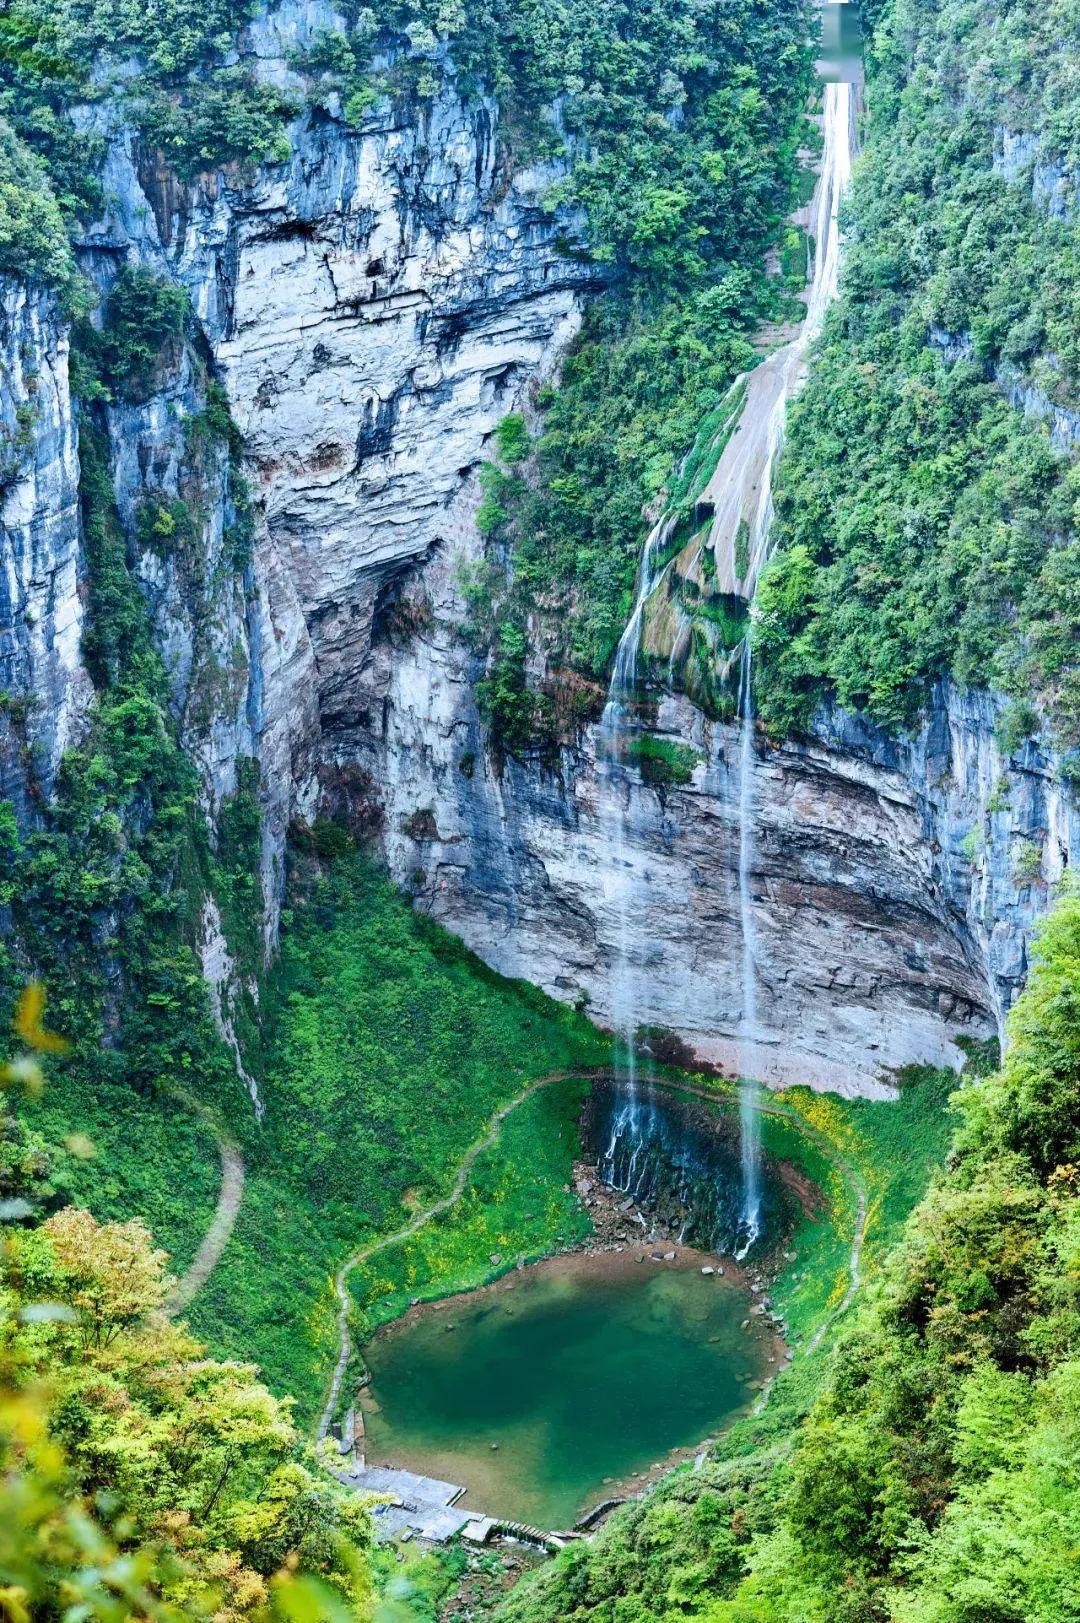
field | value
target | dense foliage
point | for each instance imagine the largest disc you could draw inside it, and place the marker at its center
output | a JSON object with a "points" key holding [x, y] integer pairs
{"points": [[163, 64], [925, 526], [683, 208], [33, 241], [386, 1049], [138, 1478], [935, 1475]]}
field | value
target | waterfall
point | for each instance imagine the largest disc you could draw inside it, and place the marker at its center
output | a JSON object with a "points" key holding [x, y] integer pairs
{"points": [[749, 1114], [739, 493], [786, 370], [615, 729], [674, 1158]]}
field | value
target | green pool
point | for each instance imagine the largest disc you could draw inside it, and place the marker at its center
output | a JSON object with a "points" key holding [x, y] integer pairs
{"points": [[581, 1370]]}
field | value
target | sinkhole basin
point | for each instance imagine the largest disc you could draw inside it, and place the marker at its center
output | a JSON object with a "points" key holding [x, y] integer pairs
{"points": [[548, 1390]]}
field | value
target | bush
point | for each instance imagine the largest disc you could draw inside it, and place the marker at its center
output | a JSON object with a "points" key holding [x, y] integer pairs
{"points": [[33, 241], [663, 762]]}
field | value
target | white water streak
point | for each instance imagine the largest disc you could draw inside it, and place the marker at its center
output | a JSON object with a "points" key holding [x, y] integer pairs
{"points": [[788, 371], [614, 733], [740, 488]]}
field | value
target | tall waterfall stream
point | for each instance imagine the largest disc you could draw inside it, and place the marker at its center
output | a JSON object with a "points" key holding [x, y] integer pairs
{"points": [[587, 1376], [740, 495]]}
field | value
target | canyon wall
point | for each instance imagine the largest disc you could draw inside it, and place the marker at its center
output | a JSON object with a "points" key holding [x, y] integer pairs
{"points": [[373, 308], [894, 883]]}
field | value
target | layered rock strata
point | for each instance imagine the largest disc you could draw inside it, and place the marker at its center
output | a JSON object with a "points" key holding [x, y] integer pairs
{"points": [[894, 883], [373, 307]]}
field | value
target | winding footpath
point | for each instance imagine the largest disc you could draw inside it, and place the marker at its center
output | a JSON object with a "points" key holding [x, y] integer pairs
{"points": [[217, 1235], [418, 1222], [461, 1181]]}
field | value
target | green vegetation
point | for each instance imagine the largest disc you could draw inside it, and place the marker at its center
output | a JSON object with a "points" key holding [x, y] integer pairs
{"points": [[182, 98], [516, 1203], [663, 763], [33, 241], [925, 1468], [388, 1047], [105, 893], [924, 526], [145, 322], [408, 1042], [137, 1477]]}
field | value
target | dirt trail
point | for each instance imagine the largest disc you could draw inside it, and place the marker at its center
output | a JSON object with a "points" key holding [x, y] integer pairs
{"points": [[492, 1133], [217, 1235], [417, 1223]]}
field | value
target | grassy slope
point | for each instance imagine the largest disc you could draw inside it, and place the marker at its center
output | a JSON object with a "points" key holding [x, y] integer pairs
{"points": [[390, 1048], [518, 1199]]}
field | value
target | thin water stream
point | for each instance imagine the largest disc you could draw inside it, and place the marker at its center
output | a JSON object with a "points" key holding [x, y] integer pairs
{"points": [[739, 497], [584, 1376]]}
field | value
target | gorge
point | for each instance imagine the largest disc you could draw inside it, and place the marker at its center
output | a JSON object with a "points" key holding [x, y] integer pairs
{"points": [[538, 724], [307, 663]]}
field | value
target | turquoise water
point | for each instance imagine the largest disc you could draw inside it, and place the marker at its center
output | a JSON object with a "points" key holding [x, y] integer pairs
{"points": [[594, 1368]]}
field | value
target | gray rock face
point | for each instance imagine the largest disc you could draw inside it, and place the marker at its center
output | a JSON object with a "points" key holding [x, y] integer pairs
{"points": [[1019, 154], [894, 885], [45, 687], [1063, 423], [373, 307]]}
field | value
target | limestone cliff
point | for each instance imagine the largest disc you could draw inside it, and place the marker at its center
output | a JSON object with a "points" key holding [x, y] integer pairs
{"points": [[44, 685], [894, 882], [373, 307]]}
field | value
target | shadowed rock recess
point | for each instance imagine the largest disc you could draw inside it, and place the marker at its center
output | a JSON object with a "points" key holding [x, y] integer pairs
{"points": [[373, 308]]}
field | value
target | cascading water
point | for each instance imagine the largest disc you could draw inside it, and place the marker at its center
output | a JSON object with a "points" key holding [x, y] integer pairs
{"points": [[615, 731], [676, 1158], [749, 1112], [787, 374], [739, 493]]}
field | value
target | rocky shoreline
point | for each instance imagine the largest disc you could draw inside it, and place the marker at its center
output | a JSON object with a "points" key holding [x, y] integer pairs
{"points": [[650, 1229]]}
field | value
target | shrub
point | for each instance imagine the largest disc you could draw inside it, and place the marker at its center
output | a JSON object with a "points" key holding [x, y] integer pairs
{"points": [[33, 241], [663, 762]]}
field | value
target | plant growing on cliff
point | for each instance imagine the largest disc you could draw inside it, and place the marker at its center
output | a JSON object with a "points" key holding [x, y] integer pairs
{"points": [[107, 884], [33, 241], [664, 762], [165, 65], [925, 526]]}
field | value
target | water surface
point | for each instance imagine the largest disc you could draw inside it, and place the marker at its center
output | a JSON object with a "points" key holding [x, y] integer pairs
{"points": [[581, 1369]]}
